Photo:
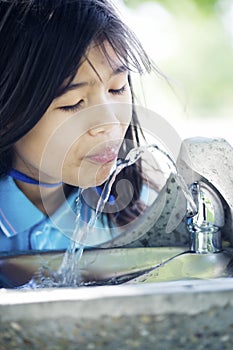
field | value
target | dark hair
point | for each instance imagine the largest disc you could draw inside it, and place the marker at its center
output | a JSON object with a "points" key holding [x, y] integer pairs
{"points": [[41, 45]]}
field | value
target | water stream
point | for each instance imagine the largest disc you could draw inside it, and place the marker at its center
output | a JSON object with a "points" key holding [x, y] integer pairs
{"points": [[69, 270]]}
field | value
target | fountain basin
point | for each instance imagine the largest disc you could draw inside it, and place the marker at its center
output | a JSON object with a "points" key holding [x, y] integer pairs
{"points": [[95, 265], [119, 265]]}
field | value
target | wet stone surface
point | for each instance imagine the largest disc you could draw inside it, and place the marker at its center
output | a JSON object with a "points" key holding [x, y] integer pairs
{"points": [[157, 332]]}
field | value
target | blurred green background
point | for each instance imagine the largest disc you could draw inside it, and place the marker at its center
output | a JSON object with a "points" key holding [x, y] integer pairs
{"points": [[191, 41]]}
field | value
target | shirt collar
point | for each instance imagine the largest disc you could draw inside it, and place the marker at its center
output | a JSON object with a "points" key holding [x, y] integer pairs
{"points": [[17, 212]]}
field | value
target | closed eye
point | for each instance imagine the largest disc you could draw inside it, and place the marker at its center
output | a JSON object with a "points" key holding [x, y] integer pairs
{"points": [[72, 108], [118, 91], [77, 106]]}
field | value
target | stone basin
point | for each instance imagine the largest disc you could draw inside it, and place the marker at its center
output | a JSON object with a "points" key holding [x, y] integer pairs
{"points": [[119, 265], [194, 314], [173, 312]]}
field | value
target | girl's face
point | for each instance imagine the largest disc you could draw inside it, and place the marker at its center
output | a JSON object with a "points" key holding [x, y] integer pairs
{"points": [[78, 138]]}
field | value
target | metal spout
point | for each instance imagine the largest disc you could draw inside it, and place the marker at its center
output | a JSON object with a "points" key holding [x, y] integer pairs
{"points": [[205, 235]]}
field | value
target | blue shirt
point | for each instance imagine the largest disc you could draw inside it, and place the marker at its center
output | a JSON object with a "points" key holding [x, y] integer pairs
{"points": [[24, 227]]}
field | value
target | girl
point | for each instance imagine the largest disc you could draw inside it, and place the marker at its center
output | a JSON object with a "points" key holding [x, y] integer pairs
{"points": [[66, 115]]}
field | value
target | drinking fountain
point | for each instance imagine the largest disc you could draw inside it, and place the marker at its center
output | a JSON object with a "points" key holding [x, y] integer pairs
{"points": [[175, 284], [179, 243], [205, 164]]}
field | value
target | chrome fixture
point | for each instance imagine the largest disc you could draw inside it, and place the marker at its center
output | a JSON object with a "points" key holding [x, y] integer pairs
{"points": [[204, 227]]}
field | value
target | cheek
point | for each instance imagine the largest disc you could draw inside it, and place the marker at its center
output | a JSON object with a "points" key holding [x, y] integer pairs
{"points": [[33, 144], [29, 149], [124, 114]]}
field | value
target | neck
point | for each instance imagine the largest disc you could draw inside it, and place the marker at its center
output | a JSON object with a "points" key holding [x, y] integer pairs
{"points": [[47, 200], [18, 175], [47, 196]]}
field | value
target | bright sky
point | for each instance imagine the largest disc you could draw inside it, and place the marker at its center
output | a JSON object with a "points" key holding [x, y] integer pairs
{"points": [[162, 41]]}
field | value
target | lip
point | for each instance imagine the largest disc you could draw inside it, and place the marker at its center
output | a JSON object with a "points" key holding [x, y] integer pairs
{"points": [[105, 155]]}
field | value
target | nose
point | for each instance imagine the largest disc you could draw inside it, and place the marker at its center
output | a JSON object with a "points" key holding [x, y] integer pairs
{"points": [[105, 121], [101, 129]]}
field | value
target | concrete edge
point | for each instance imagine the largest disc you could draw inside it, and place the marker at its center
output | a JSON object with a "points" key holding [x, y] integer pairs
{"points": [[178, 297]]}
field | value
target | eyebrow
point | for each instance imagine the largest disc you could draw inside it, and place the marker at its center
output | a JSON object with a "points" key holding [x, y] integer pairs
{"points": [[117, 71]]}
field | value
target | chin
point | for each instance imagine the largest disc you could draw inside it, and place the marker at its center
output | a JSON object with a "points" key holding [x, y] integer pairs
{"points": [[103, 174], [95, 179], [94, 183], [87, 183]]}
